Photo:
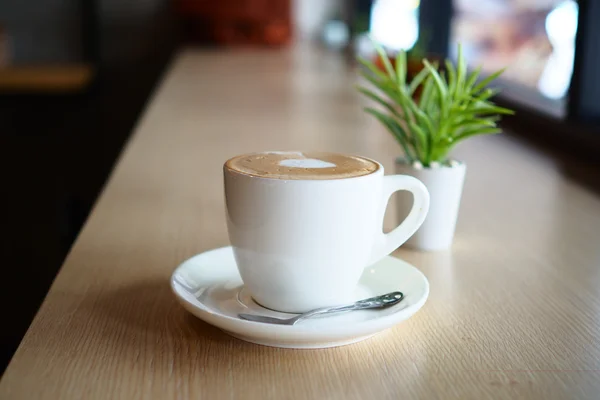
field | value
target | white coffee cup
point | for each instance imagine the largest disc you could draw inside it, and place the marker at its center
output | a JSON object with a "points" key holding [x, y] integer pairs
{"points": [[304, 244]]}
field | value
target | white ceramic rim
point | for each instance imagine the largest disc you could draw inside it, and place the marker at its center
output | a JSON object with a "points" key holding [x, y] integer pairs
{"points": [[403, 161]]}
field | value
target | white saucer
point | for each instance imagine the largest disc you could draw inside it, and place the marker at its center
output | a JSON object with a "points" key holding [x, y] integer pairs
{"points": [[209, 286]]}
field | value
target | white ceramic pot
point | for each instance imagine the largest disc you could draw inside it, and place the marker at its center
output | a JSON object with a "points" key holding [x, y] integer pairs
{"points": [[445, 184]]}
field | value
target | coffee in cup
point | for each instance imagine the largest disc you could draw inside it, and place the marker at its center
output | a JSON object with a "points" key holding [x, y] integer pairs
{"points": [[296, 165]]}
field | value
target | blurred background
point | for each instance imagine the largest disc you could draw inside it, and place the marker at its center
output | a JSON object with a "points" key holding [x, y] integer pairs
{"points": [[76, 74]]}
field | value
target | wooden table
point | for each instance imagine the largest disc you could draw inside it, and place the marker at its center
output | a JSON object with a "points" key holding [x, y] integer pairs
{"points": [[514, 310]]}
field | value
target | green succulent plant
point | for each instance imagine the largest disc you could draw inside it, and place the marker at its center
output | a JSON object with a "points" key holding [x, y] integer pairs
{"points": [[436, 110]]}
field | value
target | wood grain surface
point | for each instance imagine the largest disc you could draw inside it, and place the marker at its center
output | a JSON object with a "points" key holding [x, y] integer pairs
{"points": [[514, 310]]}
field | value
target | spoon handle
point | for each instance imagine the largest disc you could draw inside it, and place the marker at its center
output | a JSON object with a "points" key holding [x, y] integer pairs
{"points": [[382, 301]]}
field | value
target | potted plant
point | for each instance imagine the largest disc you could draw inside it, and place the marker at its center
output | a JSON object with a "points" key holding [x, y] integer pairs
{"points": [[454, 105]]}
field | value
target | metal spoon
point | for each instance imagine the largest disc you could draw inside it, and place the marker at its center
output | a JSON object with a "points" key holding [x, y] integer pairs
{"points": [[378, 302]]}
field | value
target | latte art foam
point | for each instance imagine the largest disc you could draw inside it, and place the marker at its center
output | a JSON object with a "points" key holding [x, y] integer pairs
{"points": [[297, 165], [306, 163]]}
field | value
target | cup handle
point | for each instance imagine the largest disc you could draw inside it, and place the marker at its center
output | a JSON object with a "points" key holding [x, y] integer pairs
{"points": [[386, 243]]}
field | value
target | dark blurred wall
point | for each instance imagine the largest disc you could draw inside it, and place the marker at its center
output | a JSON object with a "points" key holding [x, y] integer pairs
{"points": [[134, 31], [56, 150], [43, 30], [51, 31]]}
